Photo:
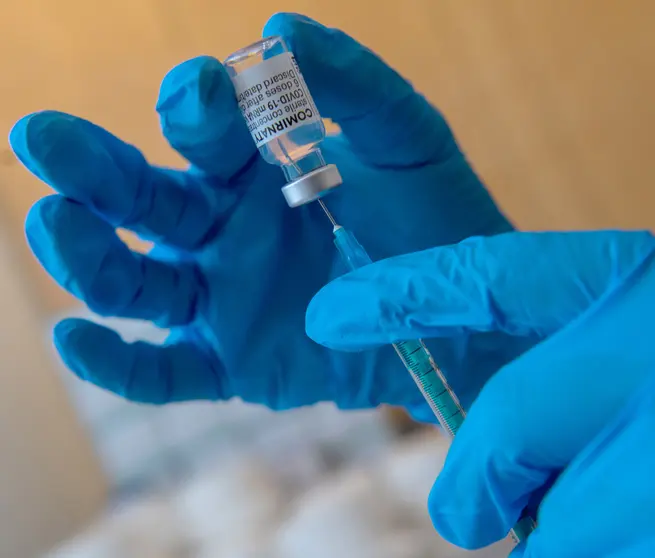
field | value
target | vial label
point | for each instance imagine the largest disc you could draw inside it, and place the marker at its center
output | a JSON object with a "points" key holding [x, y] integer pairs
{"points": [[273, 98]]}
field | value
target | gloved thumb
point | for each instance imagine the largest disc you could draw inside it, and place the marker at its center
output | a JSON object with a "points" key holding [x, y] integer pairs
{"points": [[384, 119], [517, 283]]}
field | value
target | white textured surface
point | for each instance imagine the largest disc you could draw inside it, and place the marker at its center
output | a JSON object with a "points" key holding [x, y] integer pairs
{"points": [[231, 504], [243, 508]]}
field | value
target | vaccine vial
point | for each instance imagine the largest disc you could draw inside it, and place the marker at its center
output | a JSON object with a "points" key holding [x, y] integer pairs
{"points": [[282, 117]]}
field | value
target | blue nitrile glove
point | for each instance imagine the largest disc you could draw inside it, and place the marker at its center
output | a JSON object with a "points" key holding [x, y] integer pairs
{"points": [[234, 268], [561, 409]]}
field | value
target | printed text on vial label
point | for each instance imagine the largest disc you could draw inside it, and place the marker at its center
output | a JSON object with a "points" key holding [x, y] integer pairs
{"points": [[273, 98]]}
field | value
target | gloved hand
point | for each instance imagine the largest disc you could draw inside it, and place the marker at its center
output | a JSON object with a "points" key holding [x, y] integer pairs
{"points": [[579, 407], [234, 267]]}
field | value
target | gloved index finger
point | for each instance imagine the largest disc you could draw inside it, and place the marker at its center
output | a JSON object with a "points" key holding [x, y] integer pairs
{"points": [[386, 121], [518, 283], [200, 118]]}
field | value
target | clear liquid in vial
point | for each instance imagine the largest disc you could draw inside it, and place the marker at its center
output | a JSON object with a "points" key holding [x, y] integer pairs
{"points": [[293, 148]]}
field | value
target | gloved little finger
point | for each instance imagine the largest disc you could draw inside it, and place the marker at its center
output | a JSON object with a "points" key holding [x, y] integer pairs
{"points": [[85, 256], [139, 371], [88, 164]]}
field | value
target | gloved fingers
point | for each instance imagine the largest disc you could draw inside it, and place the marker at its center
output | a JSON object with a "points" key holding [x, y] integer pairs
{"points": [[518, 283], [528, 424], [504, 457], [602, 504], [85, 256], [200, 118], [386, 121], [139, 371], [89, 165]]}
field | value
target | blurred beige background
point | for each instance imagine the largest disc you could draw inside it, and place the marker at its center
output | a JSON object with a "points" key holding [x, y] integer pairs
{"points": [[552, 100]]}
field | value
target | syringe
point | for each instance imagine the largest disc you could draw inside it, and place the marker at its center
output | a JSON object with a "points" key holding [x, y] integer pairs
{"points": [[419, 362], [290, 138]]}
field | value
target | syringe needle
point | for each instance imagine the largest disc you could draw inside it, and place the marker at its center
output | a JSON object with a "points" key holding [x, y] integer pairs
{"points": [[419, 362], [327, 212]]}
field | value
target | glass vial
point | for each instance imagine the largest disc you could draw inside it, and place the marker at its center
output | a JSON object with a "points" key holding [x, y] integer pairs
{"points": [[282, 117]]}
